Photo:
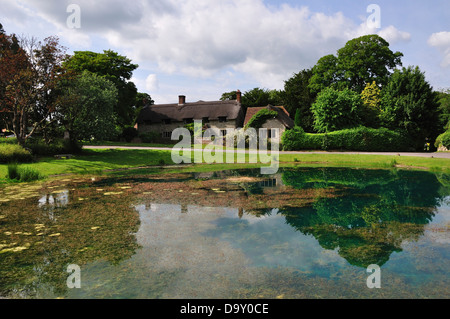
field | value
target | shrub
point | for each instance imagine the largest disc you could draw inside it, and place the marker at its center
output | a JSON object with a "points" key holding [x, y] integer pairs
{"points": [[356, 139], [22, 174], [149, 137], [129, 132], [444, 140], [337, 110], [60, 146], [13, 171], [13, 153]]}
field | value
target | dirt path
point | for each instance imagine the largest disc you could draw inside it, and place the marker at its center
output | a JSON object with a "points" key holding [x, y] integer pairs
{"points": [[416, 154]]}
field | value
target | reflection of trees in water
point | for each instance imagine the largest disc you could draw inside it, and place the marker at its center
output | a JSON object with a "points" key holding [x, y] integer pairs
{"points": [[378, 211], [78, 233]]}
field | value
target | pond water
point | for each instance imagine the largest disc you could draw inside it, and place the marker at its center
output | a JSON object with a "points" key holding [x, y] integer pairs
{"points": [[302, 233]]}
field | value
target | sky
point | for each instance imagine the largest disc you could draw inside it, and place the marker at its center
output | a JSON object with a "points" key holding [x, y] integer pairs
{"points": [[203, 48]]}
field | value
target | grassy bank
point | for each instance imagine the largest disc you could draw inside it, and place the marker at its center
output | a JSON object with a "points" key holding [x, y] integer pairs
{"points": [[98, 161]]}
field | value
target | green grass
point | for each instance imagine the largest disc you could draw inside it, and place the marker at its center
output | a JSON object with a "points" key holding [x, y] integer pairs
{"points": [[100, 161]]}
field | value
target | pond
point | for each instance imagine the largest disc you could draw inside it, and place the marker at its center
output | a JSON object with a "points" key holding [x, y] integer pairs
{"points": [[302, 233]]}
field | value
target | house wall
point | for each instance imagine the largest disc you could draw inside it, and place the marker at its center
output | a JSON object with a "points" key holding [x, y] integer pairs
{"points": [[161, 127], [274, 123]]}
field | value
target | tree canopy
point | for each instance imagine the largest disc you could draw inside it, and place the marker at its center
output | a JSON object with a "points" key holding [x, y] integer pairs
{"points": [[362, 60], [115, 68]]}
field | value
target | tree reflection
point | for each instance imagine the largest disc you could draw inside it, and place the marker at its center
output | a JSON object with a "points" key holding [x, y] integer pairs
{"points": [[377, 211]]}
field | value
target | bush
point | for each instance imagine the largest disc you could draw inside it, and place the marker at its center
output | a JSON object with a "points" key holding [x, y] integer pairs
{"points": [[25, 174], [337, 110], [444, 140], [10, 153], [60, 146], [356, 139], [149, 137], [129, 133]]}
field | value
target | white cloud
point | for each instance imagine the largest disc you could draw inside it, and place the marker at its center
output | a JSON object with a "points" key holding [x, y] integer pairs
{"points": [[202, 38], [441, 41], [151, 83]]}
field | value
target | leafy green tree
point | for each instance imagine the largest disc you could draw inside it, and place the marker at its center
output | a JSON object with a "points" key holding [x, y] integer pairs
{"points": [[115, 68], [298, 118], [444, 108], [408, 103], [229, 96], [298, 97], [256, 97], [86, 110], [371, 101], [362, 60], [336, 110], [142, 99]]}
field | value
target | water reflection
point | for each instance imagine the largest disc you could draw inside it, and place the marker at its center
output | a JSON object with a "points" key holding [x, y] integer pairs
{"points": [[302, 232]]}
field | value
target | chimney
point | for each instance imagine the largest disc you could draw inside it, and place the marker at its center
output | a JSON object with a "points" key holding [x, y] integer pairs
{"points": [[181, 100], [238, 96]]}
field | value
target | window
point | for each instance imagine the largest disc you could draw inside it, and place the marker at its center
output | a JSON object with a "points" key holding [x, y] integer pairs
{"points": [[167, 121], [188, 121], [224, 132], [222, 119], [271, 133], [205, 120], [167, 134]]}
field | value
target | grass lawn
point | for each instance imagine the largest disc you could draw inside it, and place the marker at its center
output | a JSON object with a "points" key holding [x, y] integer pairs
{"points": [[101, 161]]}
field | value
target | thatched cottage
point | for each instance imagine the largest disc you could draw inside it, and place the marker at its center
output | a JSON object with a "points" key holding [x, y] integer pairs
{"points": [[164, 118]]}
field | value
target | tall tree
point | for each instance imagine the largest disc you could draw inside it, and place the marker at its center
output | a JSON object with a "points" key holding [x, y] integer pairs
{"points": [[362, 60], [29, 72], [297, 96], [86, 109], [408, 103], [371, 101], [444, 108], [116, 68]]}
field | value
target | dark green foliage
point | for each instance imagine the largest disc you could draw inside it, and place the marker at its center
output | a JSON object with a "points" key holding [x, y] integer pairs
{"points": [[298, 118], [336, 110], [356, 139], [13, 171], [149, 137], [39, 147], [408, 103], [258, 97], [13, 153], [260, 118], [297, 96], [129, 133]]}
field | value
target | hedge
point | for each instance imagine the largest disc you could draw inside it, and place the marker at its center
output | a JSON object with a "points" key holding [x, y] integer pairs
{"points": [[10, 153], [356, 139]]}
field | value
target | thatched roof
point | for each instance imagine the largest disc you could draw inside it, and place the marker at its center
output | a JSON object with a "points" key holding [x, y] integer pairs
{"points": [[283, 115], [232, 110]]}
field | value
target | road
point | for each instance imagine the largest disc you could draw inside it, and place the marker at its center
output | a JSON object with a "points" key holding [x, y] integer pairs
{"points": [[416, 154]]}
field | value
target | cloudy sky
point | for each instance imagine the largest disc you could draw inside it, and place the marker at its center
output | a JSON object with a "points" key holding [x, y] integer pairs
{"points": [[202, 48]]}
